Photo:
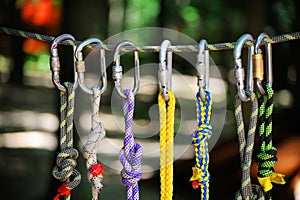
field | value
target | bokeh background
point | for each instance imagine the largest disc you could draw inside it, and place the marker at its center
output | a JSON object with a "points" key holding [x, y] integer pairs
{"points": [[29, 104]]}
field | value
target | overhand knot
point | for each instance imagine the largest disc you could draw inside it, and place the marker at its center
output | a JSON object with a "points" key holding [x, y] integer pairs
{"points": [[132, 168]]}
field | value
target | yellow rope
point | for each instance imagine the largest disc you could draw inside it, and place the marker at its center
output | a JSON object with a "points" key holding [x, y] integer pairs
{"points": [[166, 115]]}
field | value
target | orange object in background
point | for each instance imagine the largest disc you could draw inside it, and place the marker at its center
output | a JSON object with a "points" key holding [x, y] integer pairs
{"points": [[43, 16], [42, 13], [34, 47]]}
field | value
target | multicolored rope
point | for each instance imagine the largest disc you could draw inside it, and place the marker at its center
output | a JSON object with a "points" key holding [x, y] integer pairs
{"points": [[95, 170], [65, 170], [166, 118], [131, 153], [248, 191], [177, 49], [266, 159], [200, 139]]}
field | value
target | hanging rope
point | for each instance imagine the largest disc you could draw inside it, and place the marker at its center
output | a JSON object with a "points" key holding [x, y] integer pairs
{"points": [[178, 48], [166, 142], [66, 159], [200, 139], [95, 170], [131, 153], [266, 159], [248, 191]]}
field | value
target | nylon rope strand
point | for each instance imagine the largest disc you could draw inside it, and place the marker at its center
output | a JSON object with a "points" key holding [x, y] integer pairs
{"points": [[178, 48], [131, 153], [166, 142], [266, 159], [95, 170], [65, 170], [200, 139], [248, 191]]}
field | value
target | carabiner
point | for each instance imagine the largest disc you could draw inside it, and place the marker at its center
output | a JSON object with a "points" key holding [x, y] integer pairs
{"points": [[202, 67], [55, 64], [117, 69], [165, 69], [258, 63], [80, 65], [239, 70]]}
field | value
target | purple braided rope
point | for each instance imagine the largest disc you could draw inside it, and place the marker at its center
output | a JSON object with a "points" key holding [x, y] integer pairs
{"points": [[131, 153]]}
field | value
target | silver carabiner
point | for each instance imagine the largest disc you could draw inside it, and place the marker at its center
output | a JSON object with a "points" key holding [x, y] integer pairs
{"points": [[55, 63], [165, 69], [258, 63], [239, 70], [117, 69], [202, 67], [80, 65]]}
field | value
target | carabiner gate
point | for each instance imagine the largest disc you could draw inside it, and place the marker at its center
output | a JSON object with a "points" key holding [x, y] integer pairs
{"points": [[55, 63], [80, 65], [258, 63], [239, 70], [165, 69], [202, 67], [117, 68]]}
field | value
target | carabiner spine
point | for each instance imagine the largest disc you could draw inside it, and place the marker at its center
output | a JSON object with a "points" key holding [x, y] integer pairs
{"points": [[269, 63], [165, 69], [136, 72], [169, 69]]}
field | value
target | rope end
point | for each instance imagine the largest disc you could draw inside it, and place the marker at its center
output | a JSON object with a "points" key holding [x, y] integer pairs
{"points": [[266, 182], [62, 190]]}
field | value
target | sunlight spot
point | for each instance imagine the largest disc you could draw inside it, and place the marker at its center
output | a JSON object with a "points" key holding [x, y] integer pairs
{"points": [[29, 139]]}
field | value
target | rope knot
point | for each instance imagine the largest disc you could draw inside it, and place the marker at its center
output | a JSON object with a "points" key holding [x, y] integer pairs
{"points": [[203, 133], [65, 167], [132, 169], [267, 155], [266, 161]]}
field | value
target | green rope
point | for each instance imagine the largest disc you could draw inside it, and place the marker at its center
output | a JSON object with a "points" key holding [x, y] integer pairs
{"points": [[66, 159], [177, 49], [266, 159], [247, 191]]}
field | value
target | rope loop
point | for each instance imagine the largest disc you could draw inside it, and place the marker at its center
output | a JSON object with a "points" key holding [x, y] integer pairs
{"points": [[131, 153], [166, 142], [266, 158], [200, 139], [247, 191], [66, 162], [95, 170]]}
